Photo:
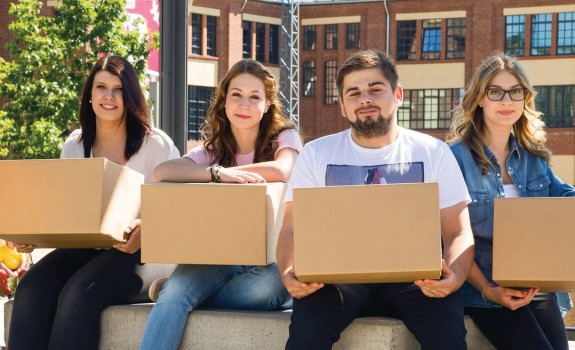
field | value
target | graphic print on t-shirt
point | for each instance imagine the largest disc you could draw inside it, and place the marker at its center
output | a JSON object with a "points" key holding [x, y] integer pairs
{"points": [[344, 175]]}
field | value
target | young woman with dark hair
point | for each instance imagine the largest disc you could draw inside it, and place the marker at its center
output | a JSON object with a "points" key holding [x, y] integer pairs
{"points": [[59, 301]]}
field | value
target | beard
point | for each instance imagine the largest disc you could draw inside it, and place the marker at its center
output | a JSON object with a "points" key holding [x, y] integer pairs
{"points": [[371, 128]]}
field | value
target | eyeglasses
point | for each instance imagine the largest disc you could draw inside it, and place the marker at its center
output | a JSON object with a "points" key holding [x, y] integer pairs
{"points": [[499, 94]]}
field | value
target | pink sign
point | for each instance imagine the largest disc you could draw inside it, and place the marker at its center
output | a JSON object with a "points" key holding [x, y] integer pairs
{"points": [[148, 11]]}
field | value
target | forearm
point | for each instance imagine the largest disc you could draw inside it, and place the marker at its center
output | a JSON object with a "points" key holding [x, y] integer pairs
{"points": [[277, 170], [182, 170], [271, 171], [459, 256], [477, 279], [285, 252]]}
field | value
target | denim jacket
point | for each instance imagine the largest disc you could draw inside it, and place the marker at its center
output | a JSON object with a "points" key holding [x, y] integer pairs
{"points": [[532, 178]]}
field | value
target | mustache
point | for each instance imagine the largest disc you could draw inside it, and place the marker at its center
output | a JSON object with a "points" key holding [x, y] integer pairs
{"points": [[365, 108]]}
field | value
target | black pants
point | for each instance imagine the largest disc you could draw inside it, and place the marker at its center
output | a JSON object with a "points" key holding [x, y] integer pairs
{"points": [[318, 319], [537, 326], [59, 301]]}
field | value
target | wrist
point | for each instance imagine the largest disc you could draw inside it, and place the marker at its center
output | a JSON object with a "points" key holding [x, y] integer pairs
{"points": [[484, 289], [215, 173]]}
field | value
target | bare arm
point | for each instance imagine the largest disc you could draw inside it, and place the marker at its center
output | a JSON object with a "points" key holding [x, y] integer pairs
{"points": [[277, 170], [186, 170], [508, 297], [458, 252], [285, 259]]}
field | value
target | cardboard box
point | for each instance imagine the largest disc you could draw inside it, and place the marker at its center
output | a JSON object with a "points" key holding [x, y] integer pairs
{"points": [[217, 224], [533, 241], [67, 203], [367, 234]]}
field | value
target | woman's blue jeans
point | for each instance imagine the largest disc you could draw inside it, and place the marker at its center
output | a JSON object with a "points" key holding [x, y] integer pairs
{"points": [[224, 286]]}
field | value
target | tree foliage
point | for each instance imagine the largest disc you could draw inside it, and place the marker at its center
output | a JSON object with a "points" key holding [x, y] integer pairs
{"points": [[50, 59]]}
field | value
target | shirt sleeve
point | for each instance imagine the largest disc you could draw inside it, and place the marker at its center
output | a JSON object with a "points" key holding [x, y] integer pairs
{"points": [[289, 139], [302, 174], [452, 187], [199, 155]]}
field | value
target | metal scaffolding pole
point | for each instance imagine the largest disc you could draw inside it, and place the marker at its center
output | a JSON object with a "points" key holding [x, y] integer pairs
{"points": [[289, 60]]}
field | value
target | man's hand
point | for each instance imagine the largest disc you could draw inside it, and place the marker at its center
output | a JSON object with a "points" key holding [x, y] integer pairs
{"points": [[134, 241], [296, 288], [441, 288]]}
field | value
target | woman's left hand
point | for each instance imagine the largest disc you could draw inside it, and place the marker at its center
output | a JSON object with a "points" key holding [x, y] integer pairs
{"points": [[134, 241]]}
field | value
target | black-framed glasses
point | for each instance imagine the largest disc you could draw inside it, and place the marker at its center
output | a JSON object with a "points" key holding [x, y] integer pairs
{"points": [[518, 94]]}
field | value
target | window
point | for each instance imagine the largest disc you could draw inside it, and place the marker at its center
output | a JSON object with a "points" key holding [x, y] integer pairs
{"points": [[211, 40], [260, 42], [274, 44], [406, 40], [541, 34], [308, 79], [196, 34], [431, 43], [247, 39], [455, 38], [566, 33], [309, 37], [198, 103], [515, 35], [352, 36], [329, 84], [557, 104], [330, 36], [428, 108]]}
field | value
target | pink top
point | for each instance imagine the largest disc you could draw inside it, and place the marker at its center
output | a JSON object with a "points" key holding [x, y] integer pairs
{"points": [[286, 139]]}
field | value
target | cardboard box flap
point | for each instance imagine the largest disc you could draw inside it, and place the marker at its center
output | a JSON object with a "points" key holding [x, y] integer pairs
{"points": [[372, 229], [532, 240]]}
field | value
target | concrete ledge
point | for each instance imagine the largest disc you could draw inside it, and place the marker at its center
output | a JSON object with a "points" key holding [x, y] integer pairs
{"points": [[123, 327]]}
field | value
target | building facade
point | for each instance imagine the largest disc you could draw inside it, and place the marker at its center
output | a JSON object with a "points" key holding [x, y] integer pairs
{"points": [[437, 44]]}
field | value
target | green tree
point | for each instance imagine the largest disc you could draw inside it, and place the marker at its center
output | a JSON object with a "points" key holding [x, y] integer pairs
{"points": [[50, 59]]}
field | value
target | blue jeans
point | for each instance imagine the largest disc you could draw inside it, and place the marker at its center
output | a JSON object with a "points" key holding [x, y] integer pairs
{"points": [[225, 286]]}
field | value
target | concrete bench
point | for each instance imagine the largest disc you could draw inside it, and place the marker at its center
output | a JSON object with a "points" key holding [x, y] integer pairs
{"points": [[123, 327]]}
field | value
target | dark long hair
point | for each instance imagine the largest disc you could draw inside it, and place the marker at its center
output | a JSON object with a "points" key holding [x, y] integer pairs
{"points": [[135, 107], [217, 131]]}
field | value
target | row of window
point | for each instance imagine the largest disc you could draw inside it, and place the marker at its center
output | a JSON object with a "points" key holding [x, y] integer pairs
{"points": [[421, 109], [542, 26], [330, 36], [210, 43], [428, 33], [248, 42]]}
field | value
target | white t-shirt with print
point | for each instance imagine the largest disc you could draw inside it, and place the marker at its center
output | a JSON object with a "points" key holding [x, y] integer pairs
{"points": [[336, 160], [156, 148]]}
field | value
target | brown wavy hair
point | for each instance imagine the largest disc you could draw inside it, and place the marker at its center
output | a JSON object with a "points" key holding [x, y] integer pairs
{"points": [[469, 126], [135, 107], [216, 129]]}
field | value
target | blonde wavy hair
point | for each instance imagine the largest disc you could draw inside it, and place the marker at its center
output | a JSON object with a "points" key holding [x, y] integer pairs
{"points": [[216, 129], [469, 126]]}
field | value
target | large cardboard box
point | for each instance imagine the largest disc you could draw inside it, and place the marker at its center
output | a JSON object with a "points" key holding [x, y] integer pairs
{"points": [[367, 234], [73, 203], [218, 224], [533, 241]]}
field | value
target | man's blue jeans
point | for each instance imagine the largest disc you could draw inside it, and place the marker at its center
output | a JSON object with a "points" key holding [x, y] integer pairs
{"points": [[192, 286]]}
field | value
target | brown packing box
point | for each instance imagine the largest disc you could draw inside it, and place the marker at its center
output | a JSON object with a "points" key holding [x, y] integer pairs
{"points": [[67, 203], [533, 240], [218, 224], [367, 234]]}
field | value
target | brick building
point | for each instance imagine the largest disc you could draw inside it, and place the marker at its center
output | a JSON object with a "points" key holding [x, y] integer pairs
{"points": [[437, 44]]}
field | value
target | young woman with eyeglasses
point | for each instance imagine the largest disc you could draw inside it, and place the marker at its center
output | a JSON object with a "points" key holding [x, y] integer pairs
{"points": [[498, 139]]}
